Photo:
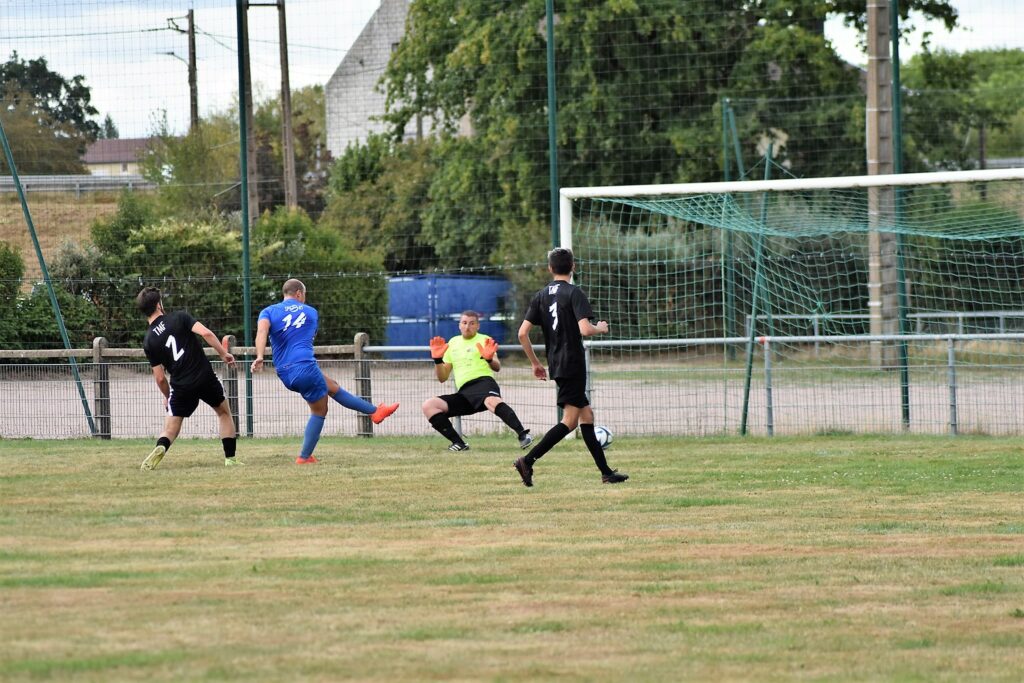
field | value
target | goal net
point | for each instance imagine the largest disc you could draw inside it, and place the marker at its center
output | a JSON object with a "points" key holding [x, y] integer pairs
{"points": [[856, 282]]}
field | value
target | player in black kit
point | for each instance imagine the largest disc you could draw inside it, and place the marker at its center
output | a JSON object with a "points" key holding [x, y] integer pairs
{"points": [[563, 312], [171, 344]]}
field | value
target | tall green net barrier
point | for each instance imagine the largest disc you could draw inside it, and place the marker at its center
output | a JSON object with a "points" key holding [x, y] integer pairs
{"points": [[858, 285]]}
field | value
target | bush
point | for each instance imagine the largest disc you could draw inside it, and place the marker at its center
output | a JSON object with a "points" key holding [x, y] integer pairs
{"points": [[347, 287], [12, 269]]}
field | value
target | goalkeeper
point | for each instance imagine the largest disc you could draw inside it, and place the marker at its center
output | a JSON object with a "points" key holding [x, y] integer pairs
{"points": [[473, 358]]}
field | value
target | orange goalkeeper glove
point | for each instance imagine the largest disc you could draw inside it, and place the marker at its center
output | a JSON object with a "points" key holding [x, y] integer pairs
{"points": [[437, 348], [487, 349]]}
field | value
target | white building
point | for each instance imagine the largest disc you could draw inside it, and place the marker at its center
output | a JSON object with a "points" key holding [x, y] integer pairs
{"points": [[352, 99]]}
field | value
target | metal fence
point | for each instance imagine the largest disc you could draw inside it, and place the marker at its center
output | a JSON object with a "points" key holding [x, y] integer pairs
{"points": [[76, 183], [952, 390]]}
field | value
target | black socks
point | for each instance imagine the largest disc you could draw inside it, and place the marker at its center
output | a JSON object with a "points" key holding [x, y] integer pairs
{"points": [[590, 438], [165, 442], [550, 440], [229, 446], [508, 416], [441, 423]]}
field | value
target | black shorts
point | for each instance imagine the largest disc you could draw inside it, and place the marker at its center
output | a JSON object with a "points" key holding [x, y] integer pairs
{"points": [[470, 397], [572, 391], [184, 400]]}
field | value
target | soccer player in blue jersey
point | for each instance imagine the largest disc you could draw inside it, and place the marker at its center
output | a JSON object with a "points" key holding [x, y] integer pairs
{"points": [[291, 325]]}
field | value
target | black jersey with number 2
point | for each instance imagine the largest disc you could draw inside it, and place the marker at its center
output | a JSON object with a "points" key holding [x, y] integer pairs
{"points": [[558, 308], [172, 343]]}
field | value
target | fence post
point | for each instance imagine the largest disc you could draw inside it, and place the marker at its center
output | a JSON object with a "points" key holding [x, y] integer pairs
{"points": [[364, 385], [951, 364], [101, 388], [817, 329], [769, 409], [231, 383]]}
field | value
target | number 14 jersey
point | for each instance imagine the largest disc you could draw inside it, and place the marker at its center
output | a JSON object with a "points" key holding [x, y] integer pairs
{"points": [[292, 328]]}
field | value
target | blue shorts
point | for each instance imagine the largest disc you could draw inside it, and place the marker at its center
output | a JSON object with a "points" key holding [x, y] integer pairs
{"points": [[305, 379]]}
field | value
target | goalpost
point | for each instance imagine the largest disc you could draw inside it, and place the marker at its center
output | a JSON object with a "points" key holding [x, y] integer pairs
{"points": [[692, 273]]}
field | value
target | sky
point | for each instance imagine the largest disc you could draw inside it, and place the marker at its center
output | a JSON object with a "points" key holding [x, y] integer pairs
{"points": [[122, 46]]}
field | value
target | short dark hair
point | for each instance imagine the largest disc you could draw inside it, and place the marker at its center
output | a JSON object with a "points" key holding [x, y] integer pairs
{"points": [[147, 300], [561, 261], [469, 313], [292, 287]]}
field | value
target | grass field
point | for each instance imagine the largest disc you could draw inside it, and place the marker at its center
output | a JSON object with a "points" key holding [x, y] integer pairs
{"points": [[827, 558]]}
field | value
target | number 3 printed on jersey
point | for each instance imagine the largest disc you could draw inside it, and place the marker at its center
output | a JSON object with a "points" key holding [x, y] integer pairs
{"points": [[553, 310], [299, 322]]}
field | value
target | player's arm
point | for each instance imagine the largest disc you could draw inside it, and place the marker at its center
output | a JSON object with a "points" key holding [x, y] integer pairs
{"points": [[589, 329], [160, 377], [262, 333], [489, 352], [524, 340], [211, 339], [584, 314], [438, 351]]}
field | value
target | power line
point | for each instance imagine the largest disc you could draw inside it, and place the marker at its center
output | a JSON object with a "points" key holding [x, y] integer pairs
{"points": [[274, 42], [84, 35]]}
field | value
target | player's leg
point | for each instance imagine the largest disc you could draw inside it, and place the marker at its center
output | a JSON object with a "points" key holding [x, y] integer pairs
{"points": [[438, 410], [212, 394], [314, 426], [352, 402], [497, 405], [572, 398], [172, 427], [308, 381], [608, 475], [226, 428]]}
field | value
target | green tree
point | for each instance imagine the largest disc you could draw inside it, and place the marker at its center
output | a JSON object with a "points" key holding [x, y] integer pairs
{"points": [[108, 131], [196, 173], [61, 100], [379, 194], [957, 101], [39, 145], [638, 90]]}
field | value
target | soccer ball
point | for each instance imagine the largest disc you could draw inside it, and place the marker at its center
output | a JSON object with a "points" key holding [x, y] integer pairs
{"points": [[604, 436]]}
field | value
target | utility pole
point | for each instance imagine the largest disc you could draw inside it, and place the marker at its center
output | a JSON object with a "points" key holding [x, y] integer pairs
{"points": [[250, 138], [193, 90], [883, 304], [291, 199]]}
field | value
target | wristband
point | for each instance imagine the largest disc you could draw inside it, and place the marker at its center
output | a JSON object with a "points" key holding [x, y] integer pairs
{"points": [[438, 361]]}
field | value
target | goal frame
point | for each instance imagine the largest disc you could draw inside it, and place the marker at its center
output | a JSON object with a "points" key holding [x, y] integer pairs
{"points": [[566, 195]]}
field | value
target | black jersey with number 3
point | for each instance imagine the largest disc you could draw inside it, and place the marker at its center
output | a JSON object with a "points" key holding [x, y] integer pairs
{"points": [[172, 343], [558, 308]]}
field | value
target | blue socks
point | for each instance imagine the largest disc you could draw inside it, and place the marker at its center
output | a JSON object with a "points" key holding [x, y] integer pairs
{"points": [[353, 402], [312, 437]]}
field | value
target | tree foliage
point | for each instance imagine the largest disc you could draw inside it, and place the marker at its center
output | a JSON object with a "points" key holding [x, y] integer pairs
{"points": [[639, 87], [48, 93], [47, 117], [197, 264], [957, 101]]}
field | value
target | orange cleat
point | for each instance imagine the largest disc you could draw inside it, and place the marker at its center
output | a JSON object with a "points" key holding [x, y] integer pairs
{"points": [[305, 461], [384, 410]]}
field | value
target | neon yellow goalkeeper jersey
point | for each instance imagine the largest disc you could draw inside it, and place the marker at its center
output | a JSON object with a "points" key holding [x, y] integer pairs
{"points": [[465, 359]]}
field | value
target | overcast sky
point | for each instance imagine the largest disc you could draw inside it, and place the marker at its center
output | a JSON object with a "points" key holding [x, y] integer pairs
{"points": [[121, 47]]}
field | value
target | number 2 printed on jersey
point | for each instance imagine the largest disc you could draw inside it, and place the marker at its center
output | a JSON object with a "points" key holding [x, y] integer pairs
{"points": [[172, 344]]}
